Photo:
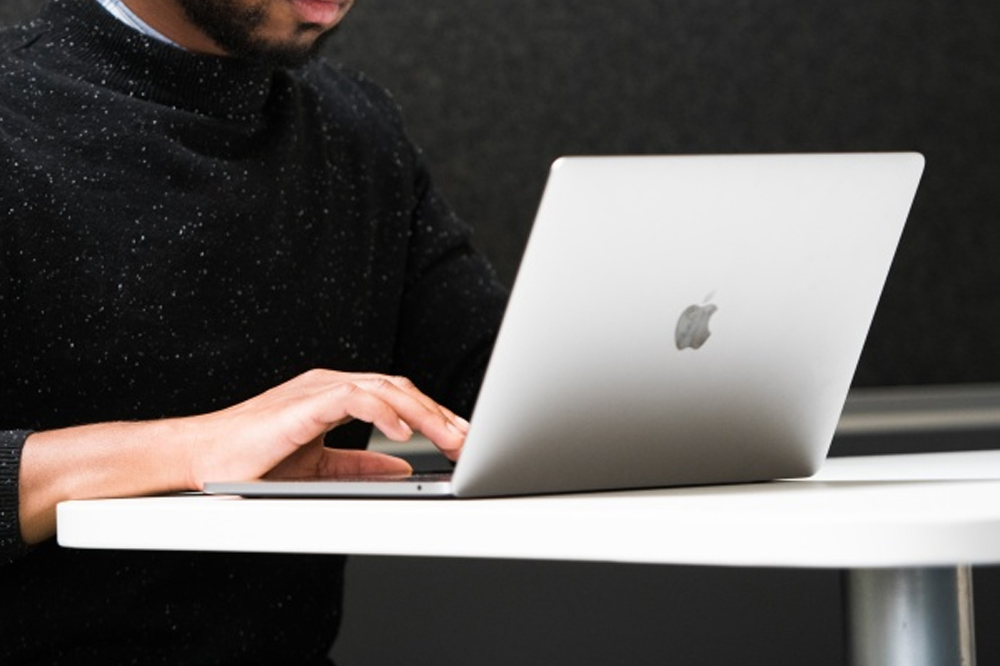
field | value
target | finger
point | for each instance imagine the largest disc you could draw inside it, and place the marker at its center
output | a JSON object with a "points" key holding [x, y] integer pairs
{"points": [[393, 404], [460, 422], [377, 398], [449, 416], [320, 380], [333, 404], [421, 413]]}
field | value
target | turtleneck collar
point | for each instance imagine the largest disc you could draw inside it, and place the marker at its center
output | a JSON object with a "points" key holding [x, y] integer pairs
{"points": [[93, 45]]}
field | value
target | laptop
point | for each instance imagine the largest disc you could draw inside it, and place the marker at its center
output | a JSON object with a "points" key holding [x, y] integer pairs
{"points": [[676, 320]]}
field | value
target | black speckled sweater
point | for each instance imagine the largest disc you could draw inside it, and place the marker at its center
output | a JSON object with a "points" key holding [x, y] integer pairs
{"points": [[178, 233]]}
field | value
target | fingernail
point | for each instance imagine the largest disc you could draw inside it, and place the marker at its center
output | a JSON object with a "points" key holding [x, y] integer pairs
{"points": [[457, 424], [406, 428]]}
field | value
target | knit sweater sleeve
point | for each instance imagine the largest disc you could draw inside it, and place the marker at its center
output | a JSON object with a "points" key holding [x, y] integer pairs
{"points": [[452, 308], [11, 441], [453, 301], [11, 544]]}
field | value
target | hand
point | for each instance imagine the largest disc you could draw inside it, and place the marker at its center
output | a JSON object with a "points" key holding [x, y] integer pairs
{"points": [[279, 433], [276, 434]]}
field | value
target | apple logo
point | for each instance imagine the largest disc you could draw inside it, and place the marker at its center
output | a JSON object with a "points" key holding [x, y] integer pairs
{"points": [[692, 327]]}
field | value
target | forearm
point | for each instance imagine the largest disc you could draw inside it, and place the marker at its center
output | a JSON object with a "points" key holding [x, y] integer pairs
{"points": [[102, 460]]}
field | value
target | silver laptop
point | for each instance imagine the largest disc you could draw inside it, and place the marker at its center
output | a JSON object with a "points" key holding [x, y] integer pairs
{"points": [[675, 321]]}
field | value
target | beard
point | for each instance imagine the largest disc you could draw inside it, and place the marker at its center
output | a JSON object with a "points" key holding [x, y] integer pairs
{"points": [[234, 28]]}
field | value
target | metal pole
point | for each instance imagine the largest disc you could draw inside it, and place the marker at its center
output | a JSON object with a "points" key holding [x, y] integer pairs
{"points": [[910, 617]]}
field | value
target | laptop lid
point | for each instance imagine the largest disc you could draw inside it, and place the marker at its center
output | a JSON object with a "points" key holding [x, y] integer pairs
{"points": [[679, 320]]}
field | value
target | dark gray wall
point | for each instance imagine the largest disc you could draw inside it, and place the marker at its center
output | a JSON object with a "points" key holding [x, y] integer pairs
{"points": [[510, 613], [495, 90]]}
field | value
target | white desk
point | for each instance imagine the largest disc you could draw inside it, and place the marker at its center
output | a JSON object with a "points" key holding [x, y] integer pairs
{"points": [[906, 527]]}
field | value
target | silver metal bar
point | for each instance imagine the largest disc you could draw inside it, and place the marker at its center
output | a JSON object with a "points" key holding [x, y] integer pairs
{"points": [[910, 617], [888, 410]]}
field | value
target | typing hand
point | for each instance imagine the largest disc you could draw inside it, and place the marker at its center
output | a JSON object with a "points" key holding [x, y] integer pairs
{"points": [[279, 433]]}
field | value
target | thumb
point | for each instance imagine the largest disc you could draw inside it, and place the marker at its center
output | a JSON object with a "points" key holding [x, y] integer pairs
{"points": [[333, 463], [339, 462]]}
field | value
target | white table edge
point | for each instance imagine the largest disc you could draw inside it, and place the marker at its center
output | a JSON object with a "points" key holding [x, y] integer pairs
{"points": [[926, 510]]}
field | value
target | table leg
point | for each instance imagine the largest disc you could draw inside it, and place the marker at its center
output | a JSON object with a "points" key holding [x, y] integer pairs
{"points": [[910, 617]]}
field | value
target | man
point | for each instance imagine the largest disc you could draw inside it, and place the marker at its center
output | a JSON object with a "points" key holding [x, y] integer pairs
{"points": [[215, 253]]}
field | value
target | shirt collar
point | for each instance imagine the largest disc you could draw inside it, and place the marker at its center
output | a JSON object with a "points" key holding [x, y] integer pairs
{"points": [[121, 11]]}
